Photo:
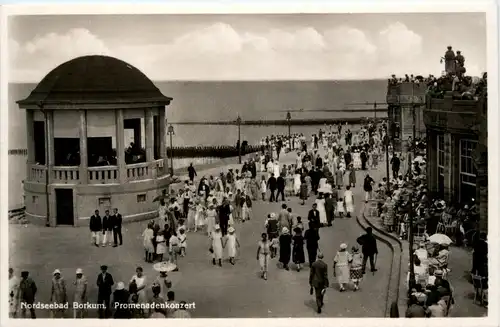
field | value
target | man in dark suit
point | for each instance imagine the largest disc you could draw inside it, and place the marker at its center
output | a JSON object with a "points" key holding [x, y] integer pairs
{"points": [[272, 185], [280, 184], [330, 204], [104, 284], [318, 279], [313, 216], [369, 248], [191, 172], [395, 163], [117, 227], [95, 226]]}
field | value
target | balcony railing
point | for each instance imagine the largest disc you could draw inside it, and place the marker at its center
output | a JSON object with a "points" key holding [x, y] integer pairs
{"points": [[68, 174], [103, 175], [137, 172], [37, 174]]}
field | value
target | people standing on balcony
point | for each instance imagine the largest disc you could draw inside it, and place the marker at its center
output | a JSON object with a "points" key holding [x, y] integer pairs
{"points": [[191, 172], [449, 59], [95, 225]]}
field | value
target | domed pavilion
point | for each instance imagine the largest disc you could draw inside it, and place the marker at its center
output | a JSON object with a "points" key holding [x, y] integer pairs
{"points": [[96, 140]]}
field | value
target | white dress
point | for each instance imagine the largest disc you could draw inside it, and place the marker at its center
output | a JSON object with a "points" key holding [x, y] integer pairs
{"points": [[340, 207], [349, 201], [276, 169], [161, 247], [356, 160], [322, 212], [217, 245], [296, 183], [140, 281], [231, 245], [210, 220], [182, 241], [322, 183]]}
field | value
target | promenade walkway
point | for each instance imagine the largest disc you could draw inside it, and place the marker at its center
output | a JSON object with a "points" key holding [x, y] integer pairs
{"points": [[229, 291], [460, 262]]}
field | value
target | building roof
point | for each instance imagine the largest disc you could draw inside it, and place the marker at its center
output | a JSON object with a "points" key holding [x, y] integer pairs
{"points": [[95, 80]]}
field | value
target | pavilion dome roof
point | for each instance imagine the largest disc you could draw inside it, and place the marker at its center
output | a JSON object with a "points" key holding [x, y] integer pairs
{"points": [[95, 79]]}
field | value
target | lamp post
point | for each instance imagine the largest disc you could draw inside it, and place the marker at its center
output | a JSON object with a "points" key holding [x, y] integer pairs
{"points": [[170, 132], [386, 142], [238, 121], [289, 120]]}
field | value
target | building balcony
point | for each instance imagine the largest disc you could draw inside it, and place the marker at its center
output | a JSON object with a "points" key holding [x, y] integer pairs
{"points": [[406, 93], [102, 175], [458, 116]]}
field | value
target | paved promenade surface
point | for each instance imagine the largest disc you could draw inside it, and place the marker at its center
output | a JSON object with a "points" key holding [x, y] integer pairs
{"points": [[227, 291], [460, 263]]}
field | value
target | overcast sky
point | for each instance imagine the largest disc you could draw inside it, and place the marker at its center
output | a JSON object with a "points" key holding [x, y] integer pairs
{"points": [[251, 47]]}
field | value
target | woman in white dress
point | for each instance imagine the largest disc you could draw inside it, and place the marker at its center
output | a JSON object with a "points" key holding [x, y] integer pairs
{"points": [[199, 218], [231, 243], [341, 266], [320, 202], [216, 247], [356, 156], [322, 183], [349, 201], [262, 166], [161, 246], [296, 182], [270, 169], [140, 281], [276, 169], [147, 242], [211, 213]]}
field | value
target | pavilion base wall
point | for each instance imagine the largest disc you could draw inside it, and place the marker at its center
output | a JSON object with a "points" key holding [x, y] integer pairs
{"points": [[134, 200]]}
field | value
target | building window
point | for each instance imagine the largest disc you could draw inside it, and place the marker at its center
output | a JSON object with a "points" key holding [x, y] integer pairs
{"points": [[141, 198], [440, 165], [468, 171], [105, 202]]}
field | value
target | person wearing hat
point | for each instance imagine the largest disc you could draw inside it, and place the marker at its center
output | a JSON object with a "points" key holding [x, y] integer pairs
{"points": [[285, 241], [210, 219], [191, 172], [216, 247], [318, 279], [231, 242], [368, 248], [27, 293], [120, 302], [80, 295], [356, 268], [104, 283], [58, 294], [341, 266]]}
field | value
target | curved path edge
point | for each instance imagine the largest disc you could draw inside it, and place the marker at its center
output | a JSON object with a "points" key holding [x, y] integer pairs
{"points": [[396, 248]]}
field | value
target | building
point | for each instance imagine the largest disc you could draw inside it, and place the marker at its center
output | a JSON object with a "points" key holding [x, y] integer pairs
{"points": [[79, 118], [457, 151], [406, 102]]}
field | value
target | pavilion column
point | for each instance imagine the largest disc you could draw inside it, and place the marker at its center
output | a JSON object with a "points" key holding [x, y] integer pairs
{"points": [[149, 133], [162, 121], [448, 168], [30, 141], [120, 146], [84, 162], [49, 134]]}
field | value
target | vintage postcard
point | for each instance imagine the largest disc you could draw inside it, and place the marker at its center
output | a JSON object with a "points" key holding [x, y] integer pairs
{"points": [[249, 161]]}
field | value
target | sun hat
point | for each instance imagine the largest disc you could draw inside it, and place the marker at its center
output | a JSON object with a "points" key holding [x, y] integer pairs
{"points": [[79, 271], [231, 230], [284, 230], [120, 286], [438, 273], [217, 226], [343, 246], [272, 215], [57, 271]]}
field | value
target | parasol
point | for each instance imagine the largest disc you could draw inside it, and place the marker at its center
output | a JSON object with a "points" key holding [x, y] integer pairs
{"points": [[165, 266], [440, 239], [324, 190]]}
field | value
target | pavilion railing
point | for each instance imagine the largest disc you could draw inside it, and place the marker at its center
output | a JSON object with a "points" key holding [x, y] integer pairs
{"points": [[37, 174], [137, 172], [66, 174], [103, 175]]}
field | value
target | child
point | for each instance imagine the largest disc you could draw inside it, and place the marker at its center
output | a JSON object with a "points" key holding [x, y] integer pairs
{"points": [[304, 191], [299, 224], [182, 242], [161, 247], [174, 249], [340, 207], [182, 225], [232, 242], [263, 188]]}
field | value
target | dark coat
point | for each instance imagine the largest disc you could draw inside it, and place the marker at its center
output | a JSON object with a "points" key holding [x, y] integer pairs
{"points": [[312, 238], [298, 255], [121, 297], [318, 276], [191, 172], [117, 221], [330, 204], [367, 184], [272, 183], [368, 244], [313, 217], [95, 223], [280, 183], [27, 290], [104, 285], [107, 223], [285, 248]]}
